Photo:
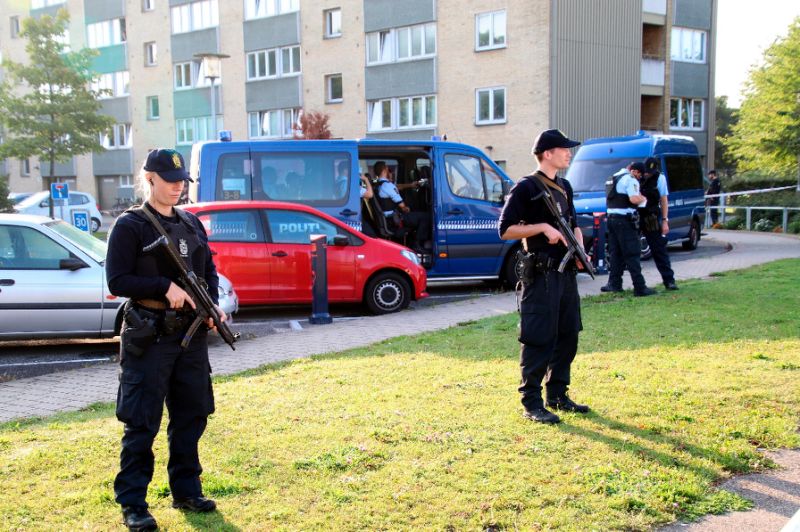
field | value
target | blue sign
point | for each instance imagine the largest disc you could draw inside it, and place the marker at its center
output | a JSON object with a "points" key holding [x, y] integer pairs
{"points": [[59, 191], [81, 220]]}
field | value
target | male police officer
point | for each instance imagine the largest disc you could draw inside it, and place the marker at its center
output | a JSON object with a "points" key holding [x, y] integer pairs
{"points": [[655, 221], [624, 245], [550, 314], [390, 199]]}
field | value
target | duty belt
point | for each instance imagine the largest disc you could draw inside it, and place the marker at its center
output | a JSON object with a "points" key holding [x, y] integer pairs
{"points": [[155, 305]]}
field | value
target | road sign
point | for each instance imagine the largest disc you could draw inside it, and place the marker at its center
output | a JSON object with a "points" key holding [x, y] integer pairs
{"points": [[81, 220], [59, 191]]}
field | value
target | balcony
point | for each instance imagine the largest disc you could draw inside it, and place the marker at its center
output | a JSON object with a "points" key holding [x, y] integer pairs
{"points": [[653, 76], [656, 7]]}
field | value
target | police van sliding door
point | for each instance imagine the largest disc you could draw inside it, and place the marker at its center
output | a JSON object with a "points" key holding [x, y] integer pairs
{"points": [[471, 195]]}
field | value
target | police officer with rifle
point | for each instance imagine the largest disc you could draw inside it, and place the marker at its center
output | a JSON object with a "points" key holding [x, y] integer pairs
{"points": [[540, 212], [164, 349]]}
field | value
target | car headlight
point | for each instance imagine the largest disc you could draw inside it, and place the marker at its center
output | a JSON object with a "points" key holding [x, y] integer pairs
{"points": [[222, 292], [410, 255]]}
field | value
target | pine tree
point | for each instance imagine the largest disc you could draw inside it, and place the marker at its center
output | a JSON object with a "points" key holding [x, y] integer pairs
{"points": [[46, 105]]}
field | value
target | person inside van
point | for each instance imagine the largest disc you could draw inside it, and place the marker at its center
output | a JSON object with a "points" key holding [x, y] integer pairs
{"points": [[342, 178], [391, 202]]}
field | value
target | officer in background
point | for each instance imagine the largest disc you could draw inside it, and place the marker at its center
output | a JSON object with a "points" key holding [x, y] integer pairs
{"points": [[550, 314], [390, 200], [624, 245], [655, 220], [154, 367], [714, 187]]}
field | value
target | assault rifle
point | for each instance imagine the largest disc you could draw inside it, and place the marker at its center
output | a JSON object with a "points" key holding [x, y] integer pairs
{"points": [[198, 291], [574, 249]]}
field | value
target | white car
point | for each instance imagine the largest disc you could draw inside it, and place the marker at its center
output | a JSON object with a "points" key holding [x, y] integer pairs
{"points": [[53, 282], [38, 204]]}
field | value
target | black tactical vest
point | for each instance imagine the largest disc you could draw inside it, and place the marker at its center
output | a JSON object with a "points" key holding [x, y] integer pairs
{"points": [[615, 200], [387, 204], [183, 234], [649, 189]]}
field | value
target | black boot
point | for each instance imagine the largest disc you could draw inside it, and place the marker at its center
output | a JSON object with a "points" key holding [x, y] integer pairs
{"points": [[609, 288], [195, 504], [564, 403], [138, 519], [541, 415]]}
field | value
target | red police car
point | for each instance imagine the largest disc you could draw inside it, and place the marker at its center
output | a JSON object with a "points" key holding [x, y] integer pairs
{"points": [[264, 248]]}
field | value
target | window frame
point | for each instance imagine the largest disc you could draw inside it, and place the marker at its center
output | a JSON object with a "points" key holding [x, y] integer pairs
{"points": [[148, 5], [677, 54], [149, 103], [14, 26], [118, 138], [392, 44], [278, 63], [105, 33], [194, 16], [329, 23], [272, 8], [395, 105], [182, 66], [329, 97], [690, 113], [492, 37], [150, 54], [492, 120], [283, 127]]}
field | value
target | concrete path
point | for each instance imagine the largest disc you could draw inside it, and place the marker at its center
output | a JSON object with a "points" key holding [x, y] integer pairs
{"points": [[72, 390]]}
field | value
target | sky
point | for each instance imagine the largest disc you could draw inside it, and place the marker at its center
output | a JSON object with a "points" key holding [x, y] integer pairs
{"points": [[745, 28]]}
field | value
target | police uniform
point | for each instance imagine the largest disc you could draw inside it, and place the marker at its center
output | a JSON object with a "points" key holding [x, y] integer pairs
{"points": [[550, 316], [624, 246], [389, 199], [654, 187], [154, 367]]}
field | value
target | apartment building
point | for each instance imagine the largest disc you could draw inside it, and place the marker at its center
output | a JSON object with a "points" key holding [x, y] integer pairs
{"points": [[490, 73]]}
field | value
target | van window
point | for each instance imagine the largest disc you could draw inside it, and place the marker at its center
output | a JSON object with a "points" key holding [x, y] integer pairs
{"points": [[309, 178], [470, 177], [591, 175], [683, 173]]}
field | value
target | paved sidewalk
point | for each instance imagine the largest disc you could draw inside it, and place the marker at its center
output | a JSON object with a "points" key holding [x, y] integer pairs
{"points": [[72, 390]]}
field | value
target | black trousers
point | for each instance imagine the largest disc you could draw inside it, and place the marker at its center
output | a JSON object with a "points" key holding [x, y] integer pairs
{"points": [[550, 320], [625, 250], [658, 246], [421, 223], [182, 378]]}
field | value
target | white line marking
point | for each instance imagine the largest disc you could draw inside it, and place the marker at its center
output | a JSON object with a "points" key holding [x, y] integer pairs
{"points": [[50, 362]]}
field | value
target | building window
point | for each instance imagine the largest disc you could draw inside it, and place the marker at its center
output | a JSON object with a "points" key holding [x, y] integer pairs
{"points": [[333, 23], [269, 8], [38, 4], [402, 113], [490, 30], [276, 123], [191, 74], [400, 44], [333, 88], [686, 113], [148, 5], [118, 137], [195, 16], [153, 111], [490, 106], [25, 167], [273, 63], [106, 33], [196, 129], [688, 45], [112, 84], [14, 26], [150, 54]]}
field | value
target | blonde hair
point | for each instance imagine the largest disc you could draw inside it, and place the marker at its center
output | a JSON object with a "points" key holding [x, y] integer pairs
{"points": [[142, 186]]}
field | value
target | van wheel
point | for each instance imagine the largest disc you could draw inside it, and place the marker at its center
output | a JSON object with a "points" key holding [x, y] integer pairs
{"points": [[95, 225], [646, 251], [386, 293], [694, 237], [510, 277]]}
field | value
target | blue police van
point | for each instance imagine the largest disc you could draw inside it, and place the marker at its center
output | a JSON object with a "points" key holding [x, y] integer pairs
{"points": [[598, 159], [460, 189]]}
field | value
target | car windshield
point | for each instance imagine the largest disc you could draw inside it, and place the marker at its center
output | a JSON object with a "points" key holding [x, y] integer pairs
{"points": [[94, 247], [591, 175], [34, 199]]}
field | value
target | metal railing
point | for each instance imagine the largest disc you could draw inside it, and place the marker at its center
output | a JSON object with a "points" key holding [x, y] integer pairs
{"points": [[722, 208]]}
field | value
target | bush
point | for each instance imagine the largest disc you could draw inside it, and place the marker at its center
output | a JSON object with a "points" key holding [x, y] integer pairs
{"points": [[764, 224], [734, 223], [794, 227]]}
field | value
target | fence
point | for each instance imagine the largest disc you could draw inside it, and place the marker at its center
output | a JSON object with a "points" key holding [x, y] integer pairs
{"points": [[722, 208]]}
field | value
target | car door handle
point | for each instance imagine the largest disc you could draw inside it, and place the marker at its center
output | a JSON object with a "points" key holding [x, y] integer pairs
{"points": [[6, 282], [348, 212], [279, 254], [455, 211]]}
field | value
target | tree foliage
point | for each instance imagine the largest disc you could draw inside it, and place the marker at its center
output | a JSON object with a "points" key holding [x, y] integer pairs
{"points": [[312, 125], [727, 117], [767, 136], [5, 203], [46, 105]]}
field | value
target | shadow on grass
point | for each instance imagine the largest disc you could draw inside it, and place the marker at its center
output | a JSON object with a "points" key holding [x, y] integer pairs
{"points": [[210, 521]]}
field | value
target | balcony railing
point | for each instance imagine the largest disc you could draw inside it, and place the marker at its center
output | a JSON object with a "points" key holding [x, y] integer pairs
{"points": [[653, 72], [658, 7]]}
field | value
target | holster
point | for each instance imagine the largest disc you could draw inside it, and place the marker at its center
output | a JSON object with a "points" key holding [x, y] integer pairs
{"points": [[531, 264], [140, 330]]}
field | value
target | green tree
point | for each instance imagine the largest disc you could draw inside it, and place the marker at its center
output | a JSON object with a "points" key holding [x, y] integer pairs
{"points": [[5, 203], [766, 139], [46, 105], [727, 117]]}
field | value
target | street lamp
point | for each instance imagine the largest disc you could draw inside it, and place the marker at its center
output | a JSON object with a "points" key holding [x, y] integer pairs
{"points": [[211, 64]]}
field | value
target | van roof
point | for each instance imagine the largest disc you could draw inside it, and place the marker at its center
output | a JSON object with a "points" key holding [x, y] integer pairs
{"points": [[330, 143], [638, 146]]}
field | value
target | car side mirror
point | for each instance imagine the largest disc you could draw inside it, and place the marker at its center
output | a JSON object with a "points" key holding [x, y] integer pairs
{"points": [[71, 264], [341, 240]]}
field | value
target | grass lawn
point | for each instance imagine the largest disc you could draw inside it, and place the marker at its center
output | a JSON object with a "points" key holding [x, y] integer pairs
{"points": [[426, 431]]}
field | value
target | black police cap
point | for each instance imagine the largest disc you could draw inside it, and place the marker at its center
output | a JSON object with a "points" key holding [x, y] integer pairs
{"points": [[168, 164], [552, 138]]}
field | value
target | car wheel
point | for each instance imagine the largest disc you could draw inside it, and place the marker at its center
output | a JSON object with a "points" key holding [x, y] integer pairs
{"points": [[387, 292], [646, 251], [510, 277], [95, 225], [694, 237]]}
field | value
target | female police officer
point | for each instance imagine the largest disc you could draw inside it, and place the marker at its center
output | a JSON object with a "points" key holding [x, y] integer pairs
{"points": [[550, 306], [154, 367]]}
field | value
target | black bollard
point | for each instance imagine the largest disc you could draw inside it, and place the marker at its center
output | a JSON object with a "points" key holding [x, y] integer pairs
{"points": [[319, 281], [599, 240]]}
